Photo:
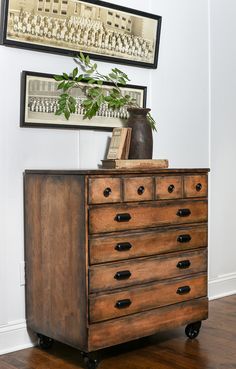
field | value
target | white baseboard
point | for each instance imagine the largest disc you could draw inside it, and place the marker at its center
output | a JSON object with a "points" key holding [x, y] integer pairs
{"points": [[222, 286], [14, 336]]}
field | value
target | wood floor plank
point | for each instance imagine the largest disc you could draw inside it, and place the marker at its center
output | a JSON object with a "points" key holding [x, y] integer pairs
{"points": [[215, 348]]}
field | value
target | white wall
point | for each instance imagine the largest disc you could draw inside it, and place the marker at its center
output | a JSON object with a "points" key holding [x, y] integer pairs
{"points": [[223, 148], [177, 93]]}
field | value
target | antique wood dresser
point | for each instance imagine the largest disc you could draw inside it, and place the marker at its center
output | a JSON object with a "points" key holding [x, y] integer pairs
{"points": [[112, 255]]}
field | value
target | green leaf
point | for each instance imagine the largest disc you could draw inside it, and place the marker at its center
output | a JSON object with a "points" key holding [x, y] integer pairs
{"points": [[112, 75], [61, 85], [87, 60], [81, 56], [91, 80], [59, 112], [75, 72], [65, 76], [58, 78], [67, 114]]}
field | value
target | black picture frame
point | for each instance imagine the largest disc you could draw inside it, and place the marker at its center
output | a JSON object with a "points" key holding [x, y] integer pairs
{"points": [[43, 91], [144, 25]]}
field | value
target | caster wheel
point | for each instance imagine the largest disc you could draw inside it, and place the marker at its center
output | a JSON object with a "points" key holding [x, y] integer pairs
{"points": [[90, 363], [44, 342], [192, 330]]}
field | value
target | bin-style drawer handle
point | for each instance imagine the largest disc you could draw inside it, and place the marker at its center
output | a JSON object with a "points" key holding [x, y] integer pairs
{"points": [[183, 290], [124, 217], [123, 246], [183, 264], [183, 238], [123, 274], [121, 304], [183, 212]]}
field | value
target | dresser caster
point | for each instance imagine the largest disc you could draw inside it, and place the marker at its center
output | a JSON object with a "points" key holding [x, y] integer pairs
{"points": [[90, 362], [44, 342], [192, 330]]}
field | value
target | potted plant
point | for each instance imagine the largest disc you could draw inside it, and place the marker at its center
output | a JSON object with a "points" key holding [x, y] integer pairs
{"points": [[140, 120]]}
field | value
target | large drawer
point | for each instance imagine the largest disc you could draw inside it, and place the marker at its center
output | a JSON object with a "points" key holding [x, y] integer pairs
{"points": [[124, 217], [130, 327], [116, 275], [154, 295], [136, 244]]}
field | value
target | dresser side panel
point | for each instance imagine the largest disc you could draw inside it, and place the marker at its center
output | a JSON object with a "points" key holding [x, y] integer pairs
{"points": [[55, 251]]}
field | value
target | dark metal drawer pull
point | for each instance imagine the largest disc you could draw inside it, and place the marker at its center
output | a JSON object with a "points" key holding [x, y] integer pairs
{"points": [[121, 304], [124, 246], [183, 290], [183, 238], [141, 190], [183, 264], [125, 217], [107, 192], [171, 188], [183, 212], [198, 187], [124, 274]]}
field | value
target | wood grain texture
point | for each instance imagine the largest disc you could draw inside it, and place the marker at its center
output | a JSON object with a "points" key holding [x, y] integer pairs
{"points": [[54, 242], [134, 326], [143, 270], [97, 186], [132, 188], [213, 349], [190, 183], [103, 249], [154, 295], [103, 219], [169, 187]]}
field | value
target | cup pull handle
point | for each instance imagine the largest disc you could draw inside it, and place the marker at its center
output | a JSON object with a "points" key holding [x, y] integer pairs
{"points": [[123, 246], [124, 217], [121, 304], [183, 264], [183, 290], [123, 274]]}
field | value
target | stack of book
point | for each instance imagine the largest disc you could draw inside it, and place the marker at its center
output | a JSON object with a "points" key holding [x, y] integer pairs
{"points": [[118, 153]]}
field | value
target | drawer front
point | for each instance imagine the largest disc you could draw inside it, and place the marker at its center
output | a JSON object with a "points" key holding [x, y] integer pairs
{"points": [[138, 189], [134, 300], [169, 187], [132, 245], [195, 186], [104, 190], [127, 328], [127, 273], [126, 217]]}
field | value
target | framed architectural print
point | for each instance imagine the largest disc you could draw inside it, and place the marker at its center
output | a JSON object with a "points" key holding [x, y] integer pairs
{"points": [[39, 102], [103, 31]]}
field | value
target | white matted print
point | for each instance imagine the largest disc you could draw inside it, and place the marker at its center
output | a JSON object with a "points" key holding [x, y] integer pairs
{"points": [[39, 102], [104, 31]]}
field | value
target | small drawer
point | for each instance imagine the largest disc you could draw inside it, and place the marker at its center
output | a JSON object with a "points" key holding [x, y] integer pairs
{"points": [[195, 186], [137, 244], [141, 298], [127, 273], [113, 218], [104, 190], [138, 189], [169, 187]]}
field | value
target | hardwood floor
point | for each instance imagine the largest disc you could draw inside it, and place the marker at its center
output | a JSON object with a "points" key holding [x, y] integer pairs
{"points": [[215, 348]]}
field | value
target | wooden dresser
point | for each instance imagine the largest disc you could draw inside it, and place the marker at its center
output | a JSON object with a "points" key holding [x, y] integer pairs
{"points": [[114, 255]]}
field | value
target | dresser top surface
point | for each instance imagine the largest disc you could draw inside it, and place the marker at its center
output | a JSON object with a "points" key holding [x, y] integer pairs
{"points": [[117, 171]]}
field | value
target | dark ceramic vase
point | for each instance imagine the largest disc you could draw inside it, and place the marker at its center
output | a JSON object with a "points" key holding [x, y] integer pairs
{"points": [[141, 137]]}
